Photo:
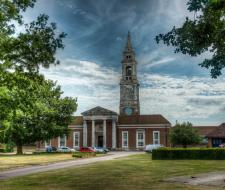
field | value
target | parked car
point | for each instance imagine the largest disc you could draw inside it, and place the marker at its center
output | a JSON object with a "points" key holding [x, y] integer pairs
{"points": [[50, 149], [66, 149], [100, 149], [222, 145], [86, 149], [151, 147]]}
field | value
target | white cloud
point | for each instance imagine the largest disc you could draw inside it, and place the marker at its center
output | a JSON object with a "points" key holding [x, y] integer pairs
{"points": [[194, 99], [183, 98]]}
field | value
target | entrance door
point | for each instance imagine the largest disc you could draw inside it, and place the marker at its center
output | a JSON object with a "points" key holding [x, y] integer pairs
{"points": [[100, 141]]}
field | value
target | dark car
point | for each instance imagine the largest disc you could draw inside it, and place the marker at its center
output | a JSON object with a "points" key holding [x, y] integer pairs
{"points": [[51, 149], [86, 149]]}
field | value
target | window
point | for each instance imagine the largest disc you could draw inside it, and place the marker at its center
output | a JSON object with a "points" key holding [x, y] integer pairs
{"points": [[156, 137], [128, 71], [47, 143], [62, 141], [124, 139], [76, 139], [140, 139]]}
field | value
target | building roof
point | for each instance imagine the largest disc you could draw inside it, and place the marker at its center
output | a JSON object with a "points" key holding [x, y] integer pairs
{"points": [[218, 132], [204, 130], [98, 111], [142, 119], [77, 120]]}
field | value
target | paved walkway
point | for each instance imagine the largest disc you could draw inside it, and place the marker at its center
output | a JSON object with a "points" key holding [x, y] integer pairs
{"points": [[65, 164], [213, 179]]}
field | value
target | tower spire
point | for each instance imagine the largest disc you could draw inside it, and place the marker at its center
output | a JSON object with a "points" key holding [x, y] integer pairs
{"points": [[129, 85], [128, 44]]}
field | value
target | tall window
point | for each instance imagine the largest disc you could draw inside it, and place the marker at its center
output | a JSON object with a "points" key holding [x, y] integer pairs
{"points": [[76, 139], [47, 143], [140, 139], [156, 137], [125, 139], [62, 141]]}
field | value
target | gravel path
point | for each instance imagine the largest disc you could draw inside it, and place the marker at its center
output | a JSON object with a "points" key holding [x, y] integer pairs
{"points": [[65, 164], [213, 179]]}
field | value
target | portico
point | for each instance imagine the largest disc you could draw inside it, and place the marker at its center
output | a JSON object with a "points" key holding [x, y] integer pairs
{"points": [[99, 124]]}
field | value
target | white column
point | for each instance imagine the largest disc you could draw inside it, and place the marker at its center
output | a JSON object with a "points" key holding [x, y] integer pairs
{"points": [[85, 133], [93, 133], [104, 133], [113, 134]]}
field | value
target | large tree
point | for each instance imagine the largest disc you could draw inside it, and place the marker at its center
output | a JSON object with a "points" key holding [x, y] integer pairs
{"points": [[204, 32], [32, 108], [184, 134]]}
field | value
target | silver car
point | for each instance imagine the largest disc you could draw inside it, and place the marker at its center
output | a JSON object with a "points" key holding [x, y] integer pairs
{"points": [[66, 149], [151, 147]]}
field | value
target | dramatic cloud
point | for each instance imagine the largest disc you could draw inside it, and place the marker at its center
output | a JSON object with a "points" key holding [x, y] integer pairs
{"points": [[170, 84]]}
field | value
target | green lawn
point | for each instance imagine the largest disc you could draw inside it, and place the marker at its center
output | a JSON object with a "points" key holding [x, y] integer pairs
{"points": [[134, 172], [14, 161]]}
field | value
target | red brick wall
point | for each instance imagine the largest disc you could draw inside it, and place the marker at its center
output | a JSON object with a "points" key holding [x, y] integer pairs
{"points": [[109, 134], [148, 136]]}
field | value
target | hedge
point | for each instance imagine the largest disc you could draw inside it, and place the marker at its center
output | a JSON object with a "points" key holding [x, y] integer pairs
{"points": [[83, 154], [188, 154]]}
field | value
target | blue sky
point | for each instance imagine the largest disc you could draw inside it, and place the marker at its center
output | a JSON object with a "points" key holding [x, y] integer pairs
{"points": [[170, 84]]}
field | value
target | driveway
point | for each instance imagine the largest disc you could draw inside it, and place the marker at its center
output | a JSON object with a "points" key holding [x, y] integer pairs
{"points": [[64, 164]]}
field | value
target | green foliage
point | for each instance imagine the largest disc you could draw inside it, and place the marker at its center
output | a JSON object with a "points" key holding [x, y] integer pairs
{"points": [[9, 147], [188, 154], [33, 109], [206, 32], [83, 154], [184, 134], [28, 50]]}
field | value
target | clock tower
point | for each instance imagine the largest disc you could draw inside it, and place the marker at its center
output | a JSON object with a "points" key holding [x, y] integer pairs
{"points": [[129, 85]]}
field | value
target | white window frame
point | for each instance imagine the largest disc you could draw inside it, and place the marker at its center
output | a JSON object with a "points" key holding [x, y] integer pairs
{"points": [[74, 134], [154, 137], [137, 140], [59, 140], [46, 144], [123, 132]]}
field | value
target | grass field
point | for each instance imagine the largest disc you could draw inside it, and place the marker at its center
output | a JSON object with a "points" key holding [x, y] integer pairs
{"points": [[134, 172], [14, 161]]}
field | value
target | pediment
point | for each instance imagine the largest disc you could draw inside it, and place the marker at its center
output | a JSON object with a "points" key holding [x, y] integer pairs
{"points": [[98, 111]]}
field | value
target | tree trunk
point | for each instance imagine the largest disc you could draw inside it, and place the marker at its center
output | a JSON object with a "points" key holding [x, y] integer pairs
{"points": [[19, 149], [184, 146]]}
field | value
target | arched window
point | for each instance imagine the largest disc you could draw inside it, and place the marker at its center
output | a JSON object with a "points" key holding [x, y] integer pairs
{"points": [[128, 71]]}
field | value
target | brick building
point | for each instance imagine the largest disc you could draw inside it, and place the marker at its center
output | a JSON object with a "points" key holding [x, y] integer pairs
{"points": [[126, 130]]}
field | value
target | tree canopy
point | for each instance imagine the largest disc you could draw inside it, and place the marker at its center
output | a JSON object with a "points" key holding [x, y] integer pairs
{"points": [[206, 32], [32, 108], [184, 134]]}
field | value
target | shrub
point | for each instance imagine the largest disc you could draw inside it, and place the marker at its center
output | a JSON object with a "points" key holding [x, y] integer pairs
{"points": [[188, 154], [6, 147], [83, 154], [184, 134]]}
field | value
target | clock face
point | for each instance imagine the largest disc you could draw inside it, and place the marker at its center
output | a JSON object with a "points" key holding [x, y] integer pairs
{"points": [[128, 111]]}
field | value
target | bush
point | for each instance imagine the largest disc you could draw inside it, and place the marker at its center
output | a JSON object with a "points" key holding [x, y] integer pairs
{"points": [[83, 154], [188, 154], [44, 152], [6, 147]]}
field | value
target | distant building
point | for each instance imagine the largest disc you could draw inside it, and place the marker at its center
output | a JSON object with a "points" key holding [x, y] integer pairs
{"points": [[128, 130]]}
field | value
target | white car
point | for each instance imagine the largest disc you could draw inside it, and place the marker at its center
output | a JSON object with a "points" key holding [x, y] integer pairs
{"points": [[66, 149], [100, 149], [151, 147]]}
